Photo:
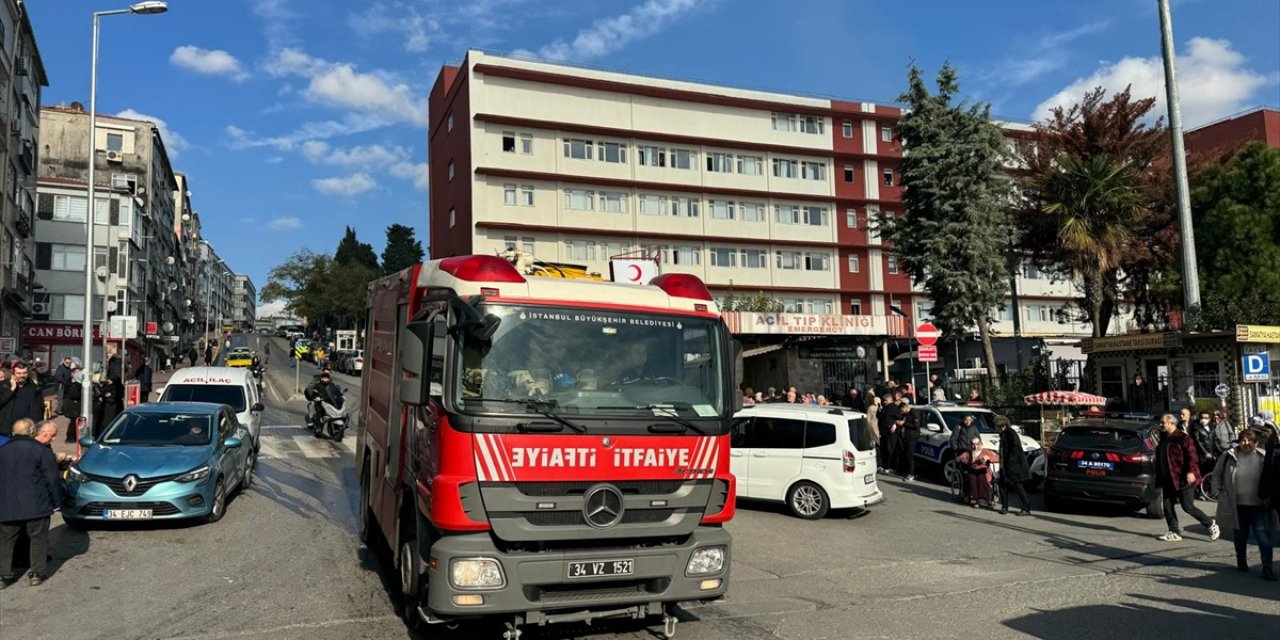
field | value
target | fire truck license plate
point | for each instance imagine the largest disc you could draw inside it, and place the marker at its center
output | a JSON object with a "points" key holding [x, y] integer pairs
{"points": [[602, 568]]}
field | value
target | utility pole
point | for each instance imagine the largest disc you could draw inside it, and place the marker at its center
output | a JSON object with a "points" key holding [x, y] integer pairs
{"points": [[1190, 272]]}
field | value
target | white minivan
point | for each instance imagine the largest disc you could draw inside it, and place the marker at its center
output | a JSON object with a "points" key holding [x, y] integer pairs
{"points": [[232, 386], [810, 458]]}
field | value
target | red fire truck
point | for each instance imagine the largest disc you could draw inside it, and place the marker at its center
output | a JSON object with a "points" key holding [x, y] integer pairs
{"points": [[546, 450]]}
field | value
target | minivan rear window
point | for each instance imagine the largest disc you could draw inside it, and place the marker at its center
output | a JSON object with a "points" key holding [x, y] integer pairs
{"points": [[1099, 438], [860, 434]]}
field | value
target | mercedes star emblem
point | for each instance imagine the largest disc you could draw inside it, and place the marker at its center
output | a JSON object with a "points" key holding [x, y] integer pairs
{"points": [[603, 507], [607, 442], [130, 483]]}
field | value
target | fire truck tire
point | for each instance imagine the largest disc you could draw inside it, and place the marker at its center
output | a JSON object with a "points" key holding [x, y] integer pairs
{"points": [[407, 563], [366, 512]]}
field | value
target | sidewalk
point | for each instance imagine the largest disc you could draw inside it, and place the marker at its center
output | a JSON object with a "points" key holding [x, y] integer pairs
{"points": [[158, 380]]}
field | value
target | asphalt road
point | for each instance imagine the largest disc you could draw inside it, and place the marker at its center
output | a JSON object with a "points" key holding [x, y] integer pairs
{"points": [[284, 563]]}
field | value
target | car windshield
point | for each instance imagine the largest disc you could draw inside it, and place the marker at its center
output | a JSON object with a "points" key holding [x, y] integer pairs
{"points": [[230, 395], [981, 419], [1099, 438], [580, 362], [157, 429]]}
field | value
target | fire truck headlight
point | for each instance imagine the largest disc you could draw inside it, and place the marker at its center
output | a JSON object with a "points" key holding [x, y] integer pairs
{"points": [[476, 573], [705, 561]]}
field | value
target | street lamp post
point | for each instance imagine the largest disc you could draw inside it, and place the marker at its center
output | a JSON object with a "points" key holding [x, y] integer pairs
{"points": [[141, 8], [1190, 271]]}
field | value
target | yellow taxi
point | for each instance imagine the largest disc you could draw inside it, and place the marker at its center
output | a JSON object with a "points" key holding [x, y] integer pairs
{"points": [[239, 357]]}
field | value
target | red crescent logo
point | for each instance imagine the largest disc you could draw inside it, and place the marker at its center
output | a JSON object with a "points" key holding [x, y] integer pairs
{"points": [[635, 268]]}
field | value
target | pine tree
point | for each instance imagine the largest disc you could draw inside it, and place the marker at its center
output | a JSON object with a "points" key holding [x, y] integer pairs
{"points": [[402, 251], [958, 234], [351, 251]]}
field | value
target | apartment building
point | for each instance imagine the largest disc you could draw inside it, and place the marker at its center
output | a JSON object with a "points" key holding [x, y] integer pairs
{"points": [[244, 303], [22, 77]]}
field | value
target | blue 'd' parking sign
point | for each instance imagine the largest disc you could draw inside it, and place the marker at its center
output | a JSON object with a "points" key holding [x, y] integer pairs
{"points": [[1256, 367]]}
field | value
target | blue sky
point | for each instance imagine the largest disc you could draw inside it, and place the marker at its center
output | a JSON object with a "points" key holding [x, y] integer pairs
{"points": [[294, 118]]}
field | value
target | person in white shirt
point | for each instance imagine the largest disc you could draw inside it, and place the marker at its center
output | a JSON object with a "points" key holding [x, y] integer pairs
{"points": [[1238, 475]]}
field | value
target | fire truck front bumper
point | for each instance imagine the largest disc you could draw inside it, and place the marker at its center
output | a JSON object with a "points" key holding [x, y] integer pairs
{"points": [[470, 577]]}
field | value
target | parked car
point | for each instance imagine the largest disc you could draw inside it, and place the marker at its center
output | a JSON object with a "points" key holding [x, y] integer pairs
{"points": [[234, 387], [810, 458], [161, 462], [940, 419], [1104, 461]]}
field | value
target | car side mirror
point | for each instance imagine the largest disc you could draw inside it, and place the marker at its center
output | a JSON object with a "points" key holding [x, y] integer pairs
{"points": [[87, 441], [933, 427], [257, 407], [232, 442]]}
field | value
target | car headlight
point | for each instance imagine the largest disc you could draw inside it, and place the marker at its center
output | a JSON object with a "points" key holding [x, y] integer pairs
{"points": [[476, 573], [199, 473], [705, 561], [76, 475]]}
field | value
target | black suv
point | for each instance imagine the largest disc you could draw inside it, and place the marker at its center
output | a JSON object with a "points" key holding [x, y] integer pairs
{"points": [[1104, 461]]}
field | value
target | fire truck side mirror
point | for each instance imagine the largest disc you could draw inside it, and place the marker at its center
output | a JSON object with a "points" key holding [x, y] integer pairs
{"points": [[738, 375], [412, 343]]}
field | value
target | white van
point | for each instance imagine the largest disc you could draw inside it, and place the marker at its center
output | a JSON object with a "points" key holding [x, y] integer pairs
{"points": [[231, 386], [810, 458]]}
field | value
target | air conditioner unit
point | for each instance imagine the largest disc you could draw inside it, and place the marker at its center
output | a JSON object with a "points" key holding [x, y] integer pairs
{"points": [[115, 156], [40, 308]]}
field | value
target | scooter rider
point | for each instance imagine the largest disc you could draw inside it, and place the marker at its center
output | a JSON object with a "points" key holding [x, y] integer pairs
{"points": [[323, 390]]}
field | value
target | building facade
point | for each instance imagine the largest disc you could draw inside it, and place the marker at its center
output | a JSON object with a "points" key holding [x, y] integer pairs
{"points": [[751, 191], [244, 304], [22, 77], [1261, 124]]}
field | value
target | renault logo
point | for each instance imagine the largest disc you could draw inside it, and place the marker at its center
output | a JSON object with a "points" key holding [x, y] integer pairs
{"points": [[130, 483], [603, 507]]}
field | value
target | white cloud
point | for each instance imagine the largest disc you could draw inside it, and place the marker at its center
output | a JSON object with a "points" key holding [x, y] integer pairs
{"points": [[415, 171], [350, 124], [338, 84], [174, 143], [374, 155], [270, 309], [412, 25], [607, 35], [1213, 81], [351, 185], [214, 62], [271, 160], [285, 223], [1039, 56], [277, 19]]}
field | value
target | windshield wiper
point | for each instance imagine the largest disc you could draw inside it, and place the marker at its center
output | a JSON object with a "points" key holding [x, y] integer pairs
{"points": [[540, 407], [668, 410]]}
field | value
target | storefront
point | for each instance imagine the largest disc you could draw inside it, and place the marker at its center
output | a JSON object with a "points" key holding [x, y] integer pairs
{"points": [[53, 341]]}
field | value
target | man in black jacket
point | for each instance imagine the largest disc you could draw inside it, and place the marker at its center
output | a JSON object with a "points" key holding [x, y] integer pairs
{"points": [[1269, 486], [29, 494], [20, 398], [143, 376], [909, 423]]}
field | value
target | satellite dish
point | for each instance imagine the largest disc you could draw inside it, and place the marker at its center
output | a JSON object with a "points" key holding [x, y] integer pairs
{"points": [[102, 273], [169, 260], [111, 305], [168, 326], [173, 286]]}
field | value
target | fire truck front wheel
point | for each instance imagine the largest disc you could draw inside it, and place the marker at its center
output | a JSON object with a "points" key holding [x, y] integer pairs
{"points": [[408, 565]]}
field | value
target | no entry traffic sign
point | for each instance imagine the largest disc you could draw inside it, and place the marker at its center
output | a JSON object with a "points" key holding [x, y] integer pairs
{"points": [[927, 334]]}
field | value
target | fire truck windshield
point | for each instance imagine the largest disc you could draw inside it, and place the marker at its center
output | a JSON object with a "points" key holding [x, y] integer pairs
{"points": [[593, 363]]}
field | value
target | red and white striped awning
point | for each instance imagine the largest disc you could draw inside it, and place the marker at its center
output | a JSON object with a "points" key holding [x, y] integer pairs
{"points": [[1065, 397]]}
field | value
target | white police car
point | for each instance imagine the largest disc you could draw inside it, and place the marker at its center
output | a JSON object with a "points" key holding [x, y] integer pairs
{"points": [[939, 420]]}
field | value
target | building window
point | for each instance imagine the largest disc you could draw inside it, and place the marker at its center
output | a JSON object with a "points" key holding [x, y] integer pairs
{"points": [[66, 307], [684, 254], [683, 158], [851, 218], [784, 122], [814, 170], [886, 134], [751, 165], [754, 258], [721, 257], [1006, 313], [786, 214], [526, 195], [580, 250], [855, 307], [721, 209], [720, 162], [817, 262], [888, 177], [848, 173], [684, 207], [855, 264], [653, 156], [449, 122], [453, 217], [509, 194], [67, 257], [614, 152], [783, 168], [820, 307], [812, 124], [846, 128], [577, 149], [526, 245], [579, 199], [451, 170], [526, 143], [892, 264], [790, 260], [613, 201], [751, 211], [815, 216], [1031, 272], [508, 142], [115, 142], [651, 205], [509, 243]]}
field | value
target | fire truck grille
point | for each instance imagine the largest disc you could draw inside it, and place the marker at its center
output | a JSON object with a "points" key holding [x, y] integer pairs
{"points": [[574, 518], [562, 489]]}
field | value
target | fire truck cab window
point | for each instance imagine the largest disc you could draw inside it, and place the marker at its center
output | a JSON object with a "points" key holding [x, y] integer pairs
{"points": [[593, 363]]}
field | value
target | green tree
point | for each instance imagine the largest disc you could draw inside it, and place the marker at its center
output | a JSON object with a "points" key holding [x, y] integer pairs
{"points": [[1236, 210], [1090, 202], [402, 250], [758, 302], [299, 282], [957, 237], [352, 251]]}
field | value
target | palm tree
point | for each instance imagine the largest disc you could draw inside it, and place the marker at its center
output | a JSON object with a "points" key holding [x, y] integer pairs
{"points": [[1089, 202]]}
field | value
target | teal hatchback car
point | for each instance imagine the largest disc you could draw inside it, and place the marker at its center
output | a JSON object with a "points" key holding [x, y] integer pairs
{"points": [[161, 462]]}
